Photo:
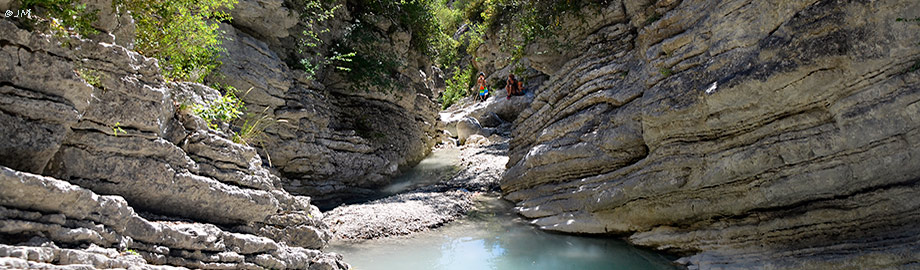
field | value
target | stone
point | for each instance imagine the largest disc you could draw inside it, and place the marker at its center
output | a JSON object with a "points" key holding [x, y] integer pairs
{"points": [[129, 137], [268, 18], [115, 26], [329, 143], [397, 215], [490, 119], [739, 137], [467, 127], [28, 193]]}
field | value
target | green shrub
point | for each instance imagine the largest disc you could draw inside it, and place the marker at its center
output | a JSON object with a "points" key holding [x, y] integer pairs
{"points": [[65, 15], [653, 18], [368, 66], [222, 110], [313, 13], [182, 34], [90, 76], [458, 86]]}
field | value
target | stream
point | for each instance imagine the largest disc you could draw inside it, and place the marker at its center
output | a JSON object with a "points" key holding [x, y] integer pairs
{"points": [[491, 236]]}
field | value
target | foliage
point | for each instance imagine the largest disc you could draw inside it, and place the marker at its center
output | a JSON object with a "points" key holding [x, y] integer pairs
{"points": [[65, 15], [117, 128], [458, 86], [182, 34], [253, 126], [90, 76], [666, 72], [222, 110], [370, 68], [464, 23], [653, 18], [915, 67], [416, 15], [525, 20], [313, 14]]}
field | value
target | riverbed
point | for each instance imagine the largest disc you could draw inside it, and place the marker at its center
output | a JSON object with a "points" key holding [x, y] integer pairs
{"points": [[489, 236], [493, 237]]}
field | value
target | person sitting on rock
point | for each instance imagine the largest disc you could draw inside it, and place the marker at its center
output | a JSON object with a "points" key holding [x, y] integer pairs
{"points": [[513, 87], [483, 90]]}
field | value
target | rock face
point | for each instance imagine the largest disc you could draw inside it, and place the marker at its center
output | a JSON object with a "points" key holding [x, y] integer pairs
{"points": [[326, 141], [94, 133], [746, 134]]}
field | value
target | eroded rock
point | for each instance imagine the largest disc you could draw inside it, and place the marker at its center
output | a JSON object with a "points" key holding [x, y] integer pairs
{"points": [[753, 139], [127, 136]]}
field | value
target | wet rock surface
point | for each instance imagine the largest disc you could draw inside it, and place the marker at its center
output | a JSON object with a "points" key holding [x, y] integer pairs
{"points": [[747, 134]]}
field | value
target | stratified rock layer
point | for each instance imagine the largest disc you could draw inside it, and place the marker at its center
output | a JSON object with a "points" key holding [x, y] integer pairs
{"points": [[92, 119], [753, 134], [328, 141]]}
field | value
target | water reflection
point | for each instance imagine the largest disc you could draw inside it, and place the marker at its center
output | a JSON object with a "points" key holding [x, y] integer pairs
{"points": [[494, 238]]}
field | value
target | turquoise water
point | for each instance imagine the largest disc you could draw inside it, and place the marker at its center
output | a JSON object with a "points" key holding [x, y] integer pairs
{"points": [[440, 164], [492, 237]]}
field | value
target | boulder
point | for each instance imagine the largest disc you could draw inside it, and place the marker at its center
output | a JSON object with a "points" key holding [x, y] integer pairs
{"points": [[490, 119], [467, 127]]}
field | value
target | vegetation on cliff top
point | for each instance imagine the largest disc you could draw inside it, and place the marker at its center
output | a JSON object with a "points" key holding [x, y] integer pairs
{"points": [[181, 34], [184, 34], [516, 23]]}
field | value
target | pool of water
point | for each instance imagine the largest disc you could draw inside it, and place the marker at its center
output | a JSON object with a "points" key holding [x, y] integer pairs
{"points": [[438, 165], [493, 237]]}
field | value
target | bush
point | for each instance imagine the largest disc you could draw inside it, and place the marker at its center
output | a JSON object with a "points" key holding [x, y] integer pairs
{"points": [[65, 15], [368, 67], [182, 34], [222, 110], [252, 128], [458, 86], [90, 76], [313, 13]]}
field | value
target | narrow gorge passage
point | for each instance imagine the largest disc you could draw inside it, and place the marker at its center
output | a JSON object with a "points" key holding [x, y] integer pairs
{"points": [[477, 230], [459, 134]]}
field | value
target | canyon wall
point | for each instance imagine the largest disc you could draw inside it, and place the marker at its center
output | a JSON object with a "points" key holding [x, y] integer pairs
{"points": [[742, 134], [326, 139], [103, 165]]}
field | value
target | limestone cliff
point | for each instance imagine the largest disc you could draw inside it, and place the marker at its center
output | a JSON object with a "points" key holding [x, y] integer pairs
{"points": [[329, 141], [101, 167], [745, 134]]}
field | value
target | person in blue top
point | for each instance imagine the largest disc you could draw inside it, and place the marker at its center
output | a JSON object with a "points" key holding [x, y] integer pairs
{"points": [[483, 90]]}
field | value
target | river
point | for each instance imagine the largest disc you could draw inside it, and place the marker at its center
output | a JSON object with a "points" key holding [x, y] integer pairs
{"points": [[492, 236]]}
